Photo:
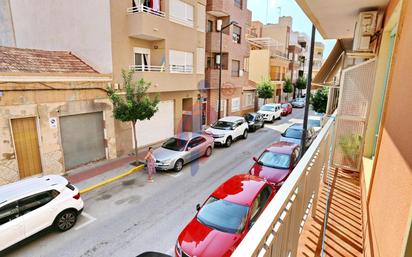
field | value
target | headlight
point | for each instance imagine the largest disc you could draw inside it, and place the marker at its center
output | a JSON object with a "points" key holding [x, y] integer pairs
{"points": [[220, 136], [166, 162]]}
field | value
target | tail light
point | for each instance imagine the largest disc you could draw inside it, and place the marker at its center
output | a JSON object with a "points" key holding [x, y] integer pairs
{"points": [[77, 197]]}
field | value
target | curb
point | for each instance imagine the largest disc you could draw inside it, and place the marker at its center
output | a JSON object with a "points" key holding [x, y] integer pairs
{"points": [[107, 181]]}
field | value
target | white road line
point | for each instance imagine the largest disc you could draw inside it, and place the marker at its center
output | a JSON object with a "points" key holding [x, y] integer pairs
{"points": [[174, 175], [88, 216]]}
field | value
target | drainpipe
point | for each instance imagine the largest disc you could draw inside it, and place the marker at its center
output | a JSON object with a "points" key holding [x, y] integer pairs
{"points": [[308, 88]]}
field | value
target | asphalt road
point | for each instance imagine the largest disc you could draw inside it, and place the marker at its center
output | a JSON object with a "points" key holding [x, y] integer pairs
{"points": [[131, 216]]}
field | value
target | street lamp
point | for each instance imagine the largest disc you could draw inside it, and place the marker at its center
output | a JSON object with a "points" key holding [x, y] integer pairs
{"points": [[220, 62]]}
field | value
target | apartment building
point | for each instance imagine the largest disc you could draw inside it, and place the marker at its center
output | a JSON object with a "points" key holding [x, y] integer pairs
{"points": [[237, 95], [269, 53], [317, 58], [162, 41]]}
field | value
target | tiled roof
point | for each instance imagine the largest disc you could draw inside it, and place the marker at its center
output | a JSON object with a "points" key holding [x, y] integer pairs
{"points": [[40, 61]]}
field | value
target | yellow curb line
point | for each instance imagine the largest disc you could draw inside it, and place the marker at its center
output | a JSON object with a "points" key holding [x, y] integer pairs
{"points": [[131, 171]]}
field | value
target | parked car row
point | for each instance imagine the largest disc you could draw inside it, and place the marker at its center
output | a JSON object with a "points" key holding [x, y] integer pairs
{"points": [[227, 215]]}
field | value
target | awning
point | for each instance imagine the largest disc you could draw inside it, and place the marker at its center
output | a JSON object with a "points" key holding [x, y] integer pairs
{"points": [[333, 63]]}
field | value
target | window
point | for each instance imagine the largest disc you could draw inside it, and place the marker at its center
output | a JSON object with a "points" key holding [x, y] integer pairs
{"points": [[181, 12], [9, 212], [236, 34], [210, 62], [209, 26], [249, 99], [223, 215], [235, 68], [201, 17], [236, 104], [141, 59], [36, 201], [200, 60], [259, 204], [246, 64], [181, 61], [196, 141], [238, 3]]}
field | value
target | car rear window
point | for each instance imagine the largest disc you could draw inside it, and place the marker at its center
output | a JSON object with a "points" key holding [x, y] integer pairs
{"points": [[275, 160], [223, 215], [293, 133]]}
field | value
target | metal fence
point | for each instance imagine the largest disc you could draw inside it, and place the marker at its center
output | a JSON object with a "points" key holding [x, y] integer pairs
{"points": [[277, 231]]}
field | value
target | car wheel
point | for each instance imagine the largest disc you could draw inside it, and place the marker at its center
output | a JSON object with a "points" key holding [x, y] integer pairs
{"points": [[273, 119], [208, 151], [245, 134], [178, 165], [279, 118], [65, 220], [229, 142], [263, 125]]}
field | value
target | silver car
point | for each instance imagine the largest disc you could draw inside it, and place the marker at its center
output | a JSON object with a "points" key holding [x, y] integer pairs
{"points": [[181, 149]]}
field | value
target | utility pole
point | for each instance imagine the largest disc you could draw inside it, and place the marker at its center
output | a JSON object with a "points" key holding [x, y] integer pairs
{"points": [[308, 88]]}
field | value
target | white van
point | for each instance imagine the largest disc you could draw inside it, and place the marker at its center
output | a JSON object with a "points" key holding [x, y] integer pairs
{"points": [[271, 112], [31, 205]]}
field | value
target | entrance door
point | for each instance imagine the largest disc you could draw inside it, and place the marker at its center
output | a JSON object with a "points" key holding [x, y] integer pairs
{"points": [[82, 139], [26, 145]]}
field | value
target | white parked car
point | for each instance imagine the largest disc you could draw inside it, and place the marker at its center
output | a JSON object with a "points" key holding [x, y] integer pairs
{"points": [[31, 205], [271, 112], [228, 129]]}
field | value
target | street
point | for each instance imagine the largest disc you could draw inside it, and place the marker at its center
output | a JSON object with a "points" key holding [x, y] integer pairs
{"points": [[131, 216]]}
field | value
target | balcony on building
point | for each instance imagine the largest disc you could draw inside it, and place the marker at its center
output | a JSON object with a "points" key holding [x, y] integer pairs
{"points": [[219, 8]]}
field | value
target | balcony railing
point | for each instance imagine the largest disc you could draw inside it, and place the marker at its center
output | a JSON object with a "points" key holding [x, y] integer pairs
{"points": [[141, 8], [148, 68], [174, 68], [277, 230]]}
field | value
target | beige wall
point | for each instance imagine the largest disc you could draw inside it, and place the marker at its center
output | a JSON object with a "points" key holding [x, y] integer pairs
{"points": [[80, 26], [44, 104], [391, 191], [259, 65]]}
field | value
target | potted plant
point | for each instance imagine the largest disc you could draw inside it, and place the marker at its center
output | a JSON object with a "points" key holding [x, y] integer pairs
{"points": [[350, 146]]}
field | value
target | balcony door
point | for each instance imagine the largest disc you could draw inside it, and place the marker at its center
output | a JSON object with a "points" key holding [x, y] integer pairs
{"points": [[141, 59]]}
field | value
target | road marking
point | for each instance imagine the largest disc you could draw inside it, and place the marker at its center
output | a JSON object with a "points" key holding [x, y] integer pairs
{"points": [[174, 175], [88, 216]]}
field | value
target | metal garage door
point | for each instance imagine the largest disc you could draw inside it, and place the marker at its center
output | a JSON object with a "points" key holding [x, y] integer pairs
{"points": [[82, 139], [159, 127]]}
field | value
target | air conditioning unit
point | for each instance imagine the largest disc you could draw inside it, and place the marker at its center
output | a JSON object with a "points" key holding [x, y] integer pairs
{"points": [[365, 28]]}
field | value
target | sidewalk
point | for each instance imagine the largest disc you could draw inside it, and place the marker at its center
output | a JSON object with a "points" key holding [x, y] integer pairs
{"points": [[91, 174]]}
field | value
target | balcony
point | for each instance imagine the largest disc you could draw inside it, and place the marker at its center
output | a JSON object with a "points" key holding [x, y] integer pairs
{"points": [[167, 78], [146, 23], [294, 223], [212, 76], [219, 8], [213, 42]]}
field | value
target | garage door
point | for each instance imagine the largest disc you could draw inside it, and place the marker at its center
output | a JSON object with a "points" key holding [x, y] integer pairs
{"points": [[159, 127], [82, 139]]}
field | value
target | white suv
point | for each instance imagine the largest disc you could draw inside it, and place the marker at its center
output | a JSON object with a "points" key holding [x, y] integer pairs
{"points": [[31, 205], [228, 129], [271, 112]]}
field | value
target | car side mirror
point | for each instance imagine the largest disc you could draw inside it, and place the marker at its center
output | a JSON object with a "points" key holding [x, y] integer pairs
{"points": [[197, 207]]}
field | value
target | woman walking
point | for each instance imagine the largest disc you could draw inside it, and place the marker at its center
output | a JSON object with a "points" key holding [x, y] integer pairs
{"points": [[150, 161]]}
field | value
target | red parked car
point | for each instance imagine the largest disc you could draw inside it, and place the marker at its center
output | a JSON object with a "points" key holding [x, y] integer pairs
{"points": [[225, 218], [286, 109], [276, 162]]}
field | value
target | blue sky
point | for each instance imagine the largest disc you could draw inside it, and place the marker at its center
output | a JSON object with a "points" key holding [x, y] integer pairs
{"points": [[269, 10]]}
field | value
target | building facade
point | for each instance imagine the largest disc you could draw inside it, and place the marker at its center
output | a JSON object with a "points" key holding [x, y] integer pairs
{"points": [[162, 41], [317, 58], [237, 96], [46, 98]]}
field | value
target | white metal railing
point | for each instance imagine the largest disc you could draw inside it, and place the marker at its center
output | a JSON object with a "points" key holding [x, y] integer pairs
{"points": [[277, 230], [142, 8], [144, 68], [181, 68]]}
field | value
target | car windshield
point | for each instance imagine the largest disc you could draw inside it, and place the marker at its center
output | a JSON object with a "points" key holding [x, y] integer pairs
{"points": [[293, 133], [275, 160], [267, 108], [226, 125], [314, 123], [284, 105], [249, 117], [223, 215], [175, 144]]}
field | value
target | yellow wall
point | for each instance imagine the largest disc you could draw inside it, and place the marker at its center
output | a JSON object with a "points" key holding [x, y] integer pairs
{"points": [[259, 65]]}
